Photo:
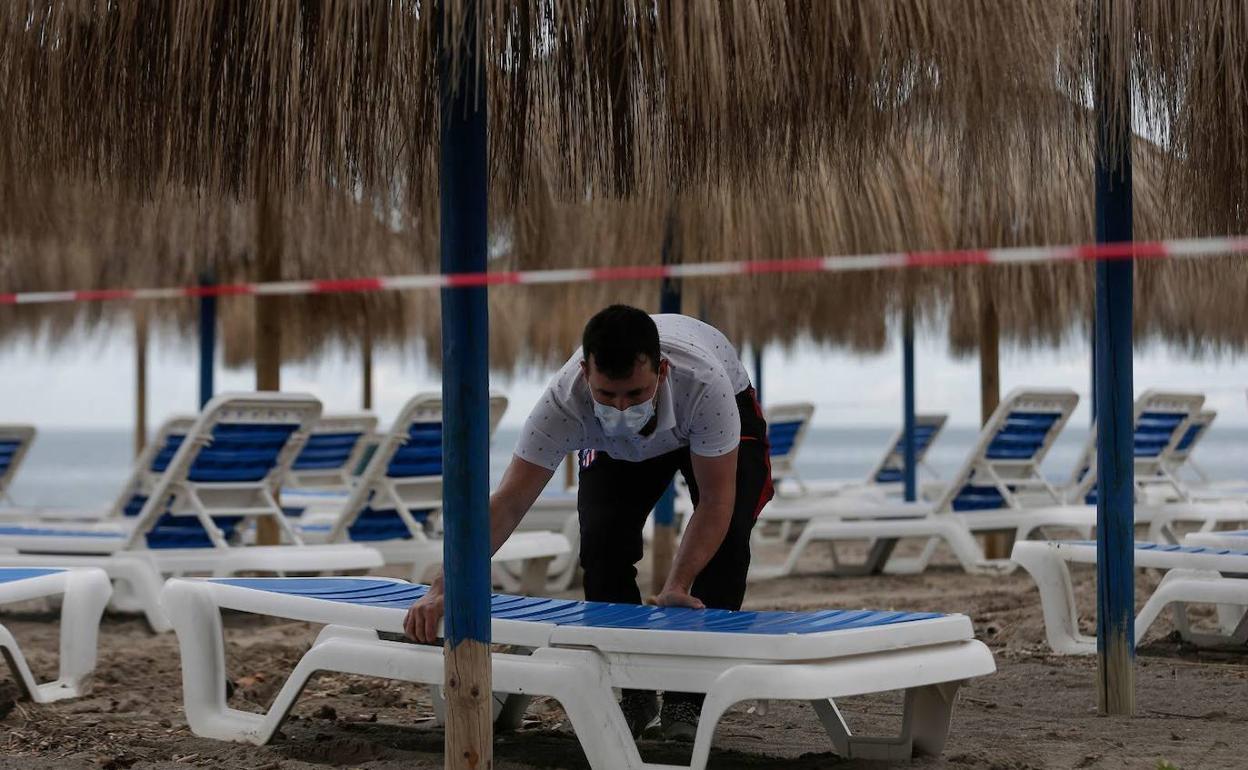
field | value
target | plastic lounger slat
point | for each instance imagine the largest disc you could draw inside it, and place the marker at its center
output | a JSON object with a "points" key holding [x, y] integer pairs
{"points": [[326, 450], [14, 574], [1170, 548], [590, 614]]}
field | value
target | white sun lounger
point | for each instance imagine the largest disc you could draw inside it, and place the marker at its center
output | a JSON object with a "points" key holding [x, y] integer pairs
{"points": [[1163, 422], [15, 441], [787, 425], [999, 487], [395, 503], [149, 466], [1013, 496], [85, 593], [1180, 457], [1234, 539], [219, 480], [583, 650], [886, 477], [1194, 575], [335, 447]]}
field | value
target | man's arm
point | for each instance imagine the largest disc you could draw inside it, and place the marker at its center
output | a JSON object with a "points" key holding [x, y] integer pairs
{"points": [[522, 482], [717, 491]]}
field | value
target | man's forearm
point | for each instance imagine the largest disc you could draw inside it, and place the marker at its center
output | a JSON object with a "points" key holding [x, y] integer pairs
{"points": [[705, 533], [505, 516]]}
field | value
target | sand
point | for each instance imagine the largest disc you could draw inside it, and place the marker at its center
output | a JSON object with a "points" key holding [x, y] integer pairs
{"points": [[1038, 710]]}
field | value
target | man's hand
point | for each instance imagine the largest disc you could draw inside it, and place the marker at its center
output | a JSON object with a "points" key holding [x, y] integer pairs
{"points": [[421, 623], [676, 597]]}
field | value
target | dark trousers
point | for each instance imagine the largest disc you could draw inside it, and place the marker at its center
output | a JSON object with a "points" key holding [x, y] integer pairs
{"points": [[616, 496]]}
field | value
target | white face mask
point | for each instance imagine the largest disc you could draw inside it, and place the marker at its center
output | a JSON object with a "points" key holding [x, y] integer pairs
{"points": [[618, 423]]}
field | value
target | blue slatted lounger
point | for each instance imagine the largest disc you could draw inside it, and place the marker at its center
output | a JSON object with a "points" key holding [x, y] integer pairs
{"points": [[394, 502], [86, 592], [581, 650], [324, 467], [184, 512], [1195, 574], [786, 429], [148, 467], [999, 487], [15, 441]]}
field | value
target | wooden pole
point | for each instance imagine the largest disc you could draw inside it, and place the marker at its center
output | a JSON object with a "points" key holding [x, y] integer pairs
{"points": [[997, 545], [140, 378], [464, 179], [268, 329], [1115, 482], [664, 544]]}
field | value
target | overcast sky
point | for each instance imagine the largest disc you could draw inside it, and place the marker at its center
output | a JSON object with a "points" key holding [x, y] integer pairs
{"points": [[91, 383]]}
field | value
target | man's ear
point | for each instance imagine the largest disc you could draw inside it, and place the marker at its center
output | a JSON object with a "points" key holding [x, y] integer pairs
{"points": [[585, 368]]}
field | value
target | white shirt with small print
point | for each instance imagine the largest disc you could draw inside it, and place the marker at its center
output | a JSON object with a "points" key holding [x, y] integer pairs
{"points": [[696, 405]]}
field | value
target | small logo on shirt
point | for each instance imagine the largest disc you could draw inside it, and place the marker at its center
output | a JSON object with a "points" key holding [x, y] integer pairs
{"points": [[587, 457]]}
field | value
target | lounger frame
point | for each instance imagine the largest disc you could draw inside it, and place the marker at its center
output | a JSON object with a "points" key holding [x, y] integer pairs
{"points": [[927, 659], [85, 592]]}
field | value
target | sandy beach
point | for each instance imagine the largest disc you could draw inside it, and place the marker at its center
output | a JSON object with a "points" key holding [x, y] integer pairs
{"points": [[1037, 711]]}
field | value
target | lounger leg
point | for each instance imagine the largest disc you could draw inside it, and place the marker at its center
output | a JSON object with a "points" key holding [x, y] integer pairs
{"points": [[899, 566], [533, 575], [86, 596], [12, 655], [1057, 598], [139, 584], [970, 554], [929, 711], [197, 622], [1240, 631], [924, 726]]}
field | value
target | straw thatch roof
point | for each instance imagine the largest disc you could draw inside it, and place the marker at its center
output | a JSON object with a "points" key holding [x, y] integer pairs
{"points": [[636, 95], [762, 129]]}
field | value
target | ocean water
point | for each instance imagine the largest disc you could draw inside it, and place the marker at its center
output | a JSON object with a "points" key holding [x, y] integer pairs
{"points": [[77, 468]]}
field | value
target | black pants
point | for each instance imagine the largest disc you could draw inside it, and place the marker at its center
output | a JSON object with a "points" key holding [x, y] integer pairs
{"points": [[616, 496]]}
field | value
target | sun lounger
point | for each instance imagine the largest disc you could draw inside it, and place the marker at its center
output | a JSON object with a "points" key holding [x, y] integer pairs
{"points": [[1235, 539], [887, 476], [1013, 496], [148, 466], [1180, 458], [85, 593], [216, 484], [1167, 425], [1162, 419], [786, 432], [583, 650], [15, 441], [394, 505], [1194, 575], [999, 487], [335, 447]]}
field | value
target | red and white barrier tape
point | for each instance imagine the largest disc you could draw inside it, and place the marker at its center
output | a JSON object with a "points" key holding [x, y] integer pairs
{"points": [[1179, 248]]}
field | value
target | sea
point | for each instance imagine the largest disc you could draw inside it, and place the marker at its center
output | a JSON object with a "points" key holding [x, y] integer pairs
{"points": [[86, 468]]}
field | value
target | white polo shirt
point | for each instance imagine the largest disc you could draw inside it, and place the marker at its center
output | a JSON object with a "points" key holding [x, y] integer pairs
{"points": [[696, 405]]}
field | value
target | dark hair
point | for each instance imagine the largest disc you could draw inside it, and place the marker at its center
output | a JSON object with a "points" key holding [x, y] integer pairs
{"points": [[616, 337]]}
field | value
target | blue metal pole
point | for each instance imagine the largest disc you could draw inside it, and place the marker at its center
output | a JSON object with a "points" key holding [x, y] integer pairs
{"points": [[1093, 377], [207, 341], [907, 368], [1115, 500], [464, 179]]}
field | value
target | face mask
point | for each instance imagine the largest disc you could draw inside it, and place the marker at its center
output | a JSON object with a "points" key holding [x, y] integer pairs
{"points": [[629, 422]]}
